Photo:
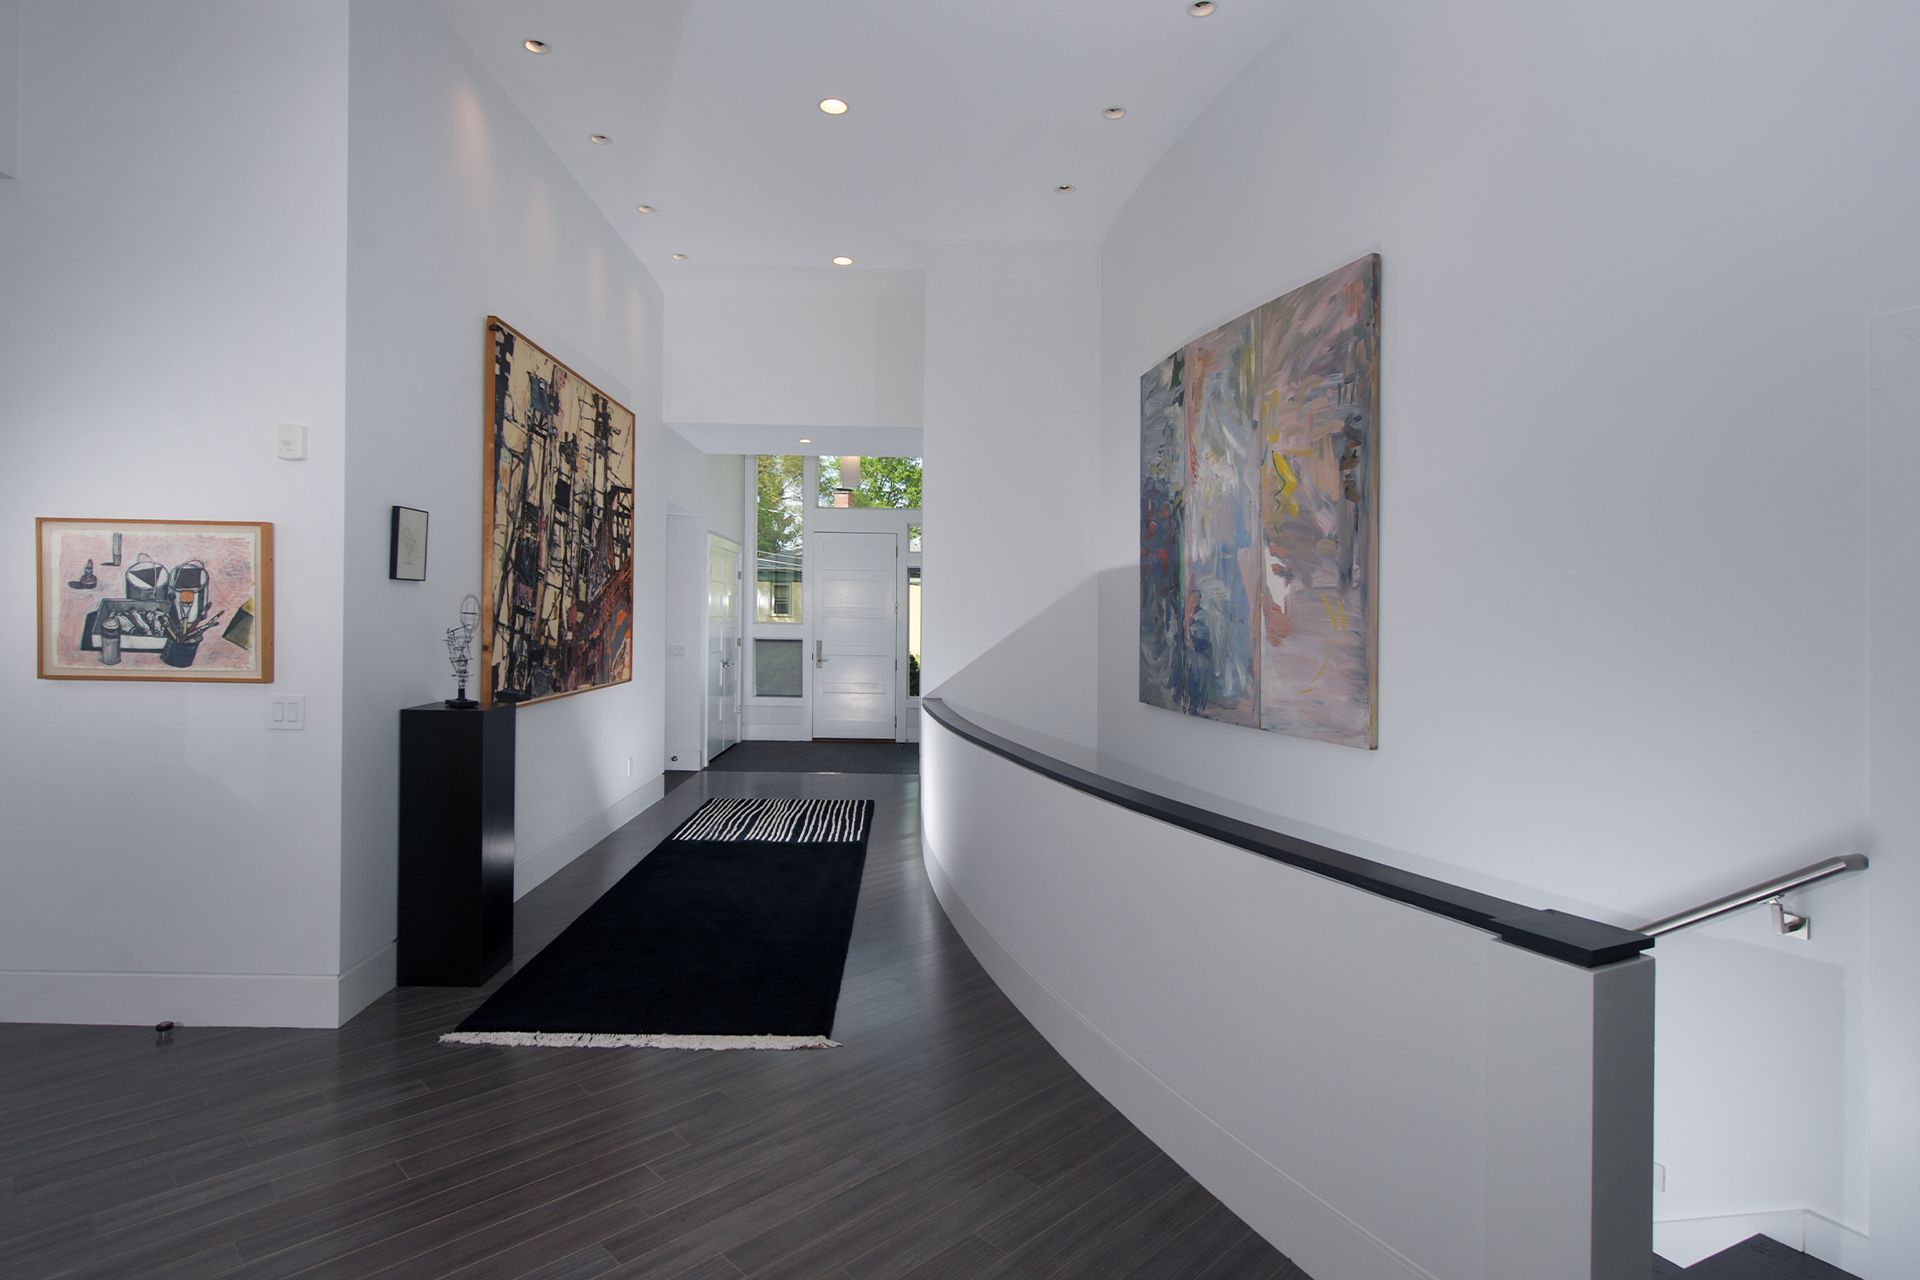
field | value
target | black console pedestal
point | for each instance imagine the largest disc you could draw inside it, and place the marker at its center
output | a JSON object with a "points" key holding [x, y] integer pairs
{"points": [[456, 845]]}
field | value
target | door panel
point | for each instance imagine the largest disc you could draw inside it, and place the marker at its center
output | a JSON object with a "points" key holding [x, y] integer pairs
{"points": [[723, 645], [854, 633]]}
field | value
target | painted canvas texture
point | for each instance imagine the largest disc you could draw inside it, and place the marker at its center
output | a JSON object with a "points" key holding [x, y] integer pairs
{"points": [[1259, 516], [155, 600], [558, 511]]}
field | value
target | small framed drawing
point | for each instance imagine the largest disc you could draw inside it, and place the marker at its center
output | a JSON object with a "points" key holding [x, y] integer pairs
{"points": [[155, 600], [407, 550]]}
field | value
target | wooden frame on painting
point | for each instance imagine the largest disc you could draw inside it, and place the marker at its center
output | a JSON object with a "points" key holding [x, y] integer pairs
{"points": [[557, 515], [181, 600]]}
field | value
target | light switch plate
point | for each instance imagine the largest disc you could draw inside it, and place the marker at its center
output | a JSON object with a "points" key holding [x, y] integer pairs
{"points": [[290, 442], [289, 713], [676, 651]]}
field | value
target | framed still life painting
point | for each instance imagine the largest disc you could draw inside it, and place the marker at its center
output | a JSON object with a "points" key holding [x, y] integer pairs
{"points": [[155, 600]]}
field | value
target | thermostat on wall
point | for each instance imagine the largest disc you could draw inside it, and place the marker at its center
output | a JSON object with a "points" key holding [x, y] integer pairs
{"points": [[291, 443]]}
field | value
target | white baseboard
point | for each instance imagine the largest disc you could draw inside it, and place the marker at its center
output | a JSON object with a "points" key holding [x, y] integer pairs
{"points": [[1320, 1239], [269, 999], [196, 999], [1688, 1240], [366, 982], [190, 999], [529, 871]]}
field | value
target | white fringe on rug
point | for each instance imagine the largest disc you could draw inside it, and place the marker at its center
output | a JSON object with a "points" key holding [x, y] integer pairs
{"points": [[603, 1040]]}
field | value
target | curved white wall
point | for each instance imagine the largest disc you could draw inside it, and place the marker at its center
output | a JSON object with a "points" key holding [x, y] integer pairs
{"points": [[1380, 1091], [1629, 255]]}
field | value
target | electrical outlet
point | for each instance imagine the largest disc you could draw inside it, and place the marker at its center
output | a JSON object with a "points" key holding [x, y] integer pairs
{"points": [[676, 651], [288, 712], [629, 766], [1659, 1177]]}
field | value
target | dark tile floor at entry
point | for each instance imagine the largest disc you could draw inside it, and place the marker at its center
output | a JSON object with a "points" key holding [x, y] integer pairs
{"points": [[819, 757], [946, 1139]]}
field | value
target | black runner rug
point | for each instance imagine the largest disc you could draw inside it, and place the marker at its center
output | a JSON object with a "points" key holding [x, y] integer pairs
{"points": [[732, 934]]}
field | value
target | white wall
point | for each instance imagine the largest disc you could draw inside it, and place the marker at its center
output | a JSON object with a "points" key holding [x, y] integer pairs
{"points": [[1894, 700], [792, 346], [458, 210], [1629, 252], [1383, 1093], [173, 263], [1011, 365], [711, 486], [9, 88]]}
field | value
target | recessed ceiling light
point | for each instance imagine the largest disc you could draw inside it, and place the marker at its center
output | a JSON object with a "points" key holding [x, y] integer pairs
{"points": [[534, 46], [1065, 188], [1200, 8], [833, 106], [643, 208], [1115, 113], [679, 257], [598, 139], [843, 261], [806, 439]]}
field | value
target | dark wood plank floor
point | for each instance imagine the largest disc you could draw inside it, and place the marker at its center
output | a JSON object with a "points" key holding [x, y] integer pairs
{"points": [[945, 1140]]}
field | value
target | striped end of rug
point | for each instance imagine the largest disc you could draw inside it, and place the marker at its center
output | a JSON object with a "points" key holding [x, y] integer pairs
{"points": [[778, 821], [601, 1040]]}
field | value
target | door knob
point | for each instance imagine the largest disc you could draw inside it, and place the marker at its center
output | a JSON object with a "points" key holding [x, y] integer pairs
{"points": [[819, 655]]}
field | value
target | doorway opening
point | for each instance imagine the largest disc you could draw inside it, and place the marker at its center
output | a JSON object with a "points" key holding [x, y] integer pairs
{"points": [[833, 632]]}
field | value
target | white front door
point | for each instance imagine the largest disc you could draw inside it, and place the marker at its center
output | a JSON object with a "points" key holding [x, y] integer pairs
{"points": [[851, 579], [723, 644]]}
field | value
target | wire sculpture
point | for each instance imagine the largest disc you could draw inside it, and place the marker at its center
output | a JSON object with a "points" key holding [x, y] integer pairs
{"points": [[459, 646]]}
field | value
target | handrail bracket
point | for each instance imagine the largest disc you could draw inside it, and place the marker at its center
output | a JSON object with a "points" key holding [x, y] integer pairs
{"points": [[1786, 923]]}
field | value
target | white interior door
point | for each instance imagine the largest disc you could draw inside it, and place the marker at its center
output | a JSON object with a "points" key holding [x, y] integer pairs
{"points": [[851, 579], [723, 644]]}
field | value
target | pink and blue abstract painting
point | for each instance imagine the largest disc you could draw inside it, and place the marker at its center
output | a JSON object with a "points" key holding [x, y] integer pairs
{"points": [[1259, 516]]}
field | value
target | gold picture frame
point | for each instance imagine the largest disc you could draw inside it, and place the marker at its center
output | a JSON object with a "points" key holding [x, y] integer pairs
{"points": [[557, 519], [170, 600]]}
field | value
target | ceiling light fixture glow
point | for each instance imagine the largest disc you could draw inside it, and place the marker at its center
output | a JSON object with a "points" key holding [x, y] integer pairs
{"points": [[833, 106], [643, 208], [1200, 8], [1115, 113], [806, 439], [598, 139], [679, 257], [1065, 188], [843, 261], [534, 46]]}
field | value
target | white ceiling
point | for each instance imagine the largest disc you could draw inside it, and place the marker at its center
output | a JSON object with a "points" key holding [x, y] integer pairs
{"points": [[966, 114]]}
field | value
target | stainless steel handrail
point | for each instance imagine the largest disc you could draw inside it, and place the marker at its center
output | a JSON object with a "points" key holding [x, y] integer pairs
{"points": [[1765, 891]]}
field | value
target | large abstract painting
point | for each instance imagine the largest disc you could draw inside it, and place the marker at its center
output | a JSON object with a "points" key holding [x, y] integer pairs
{"points": [[1259, 516], [558, 570], [155, 600]]}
